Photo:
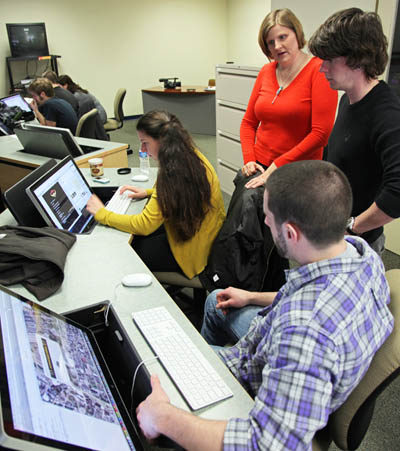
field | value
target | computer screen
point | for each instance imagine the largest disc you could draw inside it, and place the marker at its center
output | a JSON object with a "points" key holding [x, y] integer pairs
{"points": [[27, 39], [68, 137], [61, 196], [55, 387], [16, 100]]}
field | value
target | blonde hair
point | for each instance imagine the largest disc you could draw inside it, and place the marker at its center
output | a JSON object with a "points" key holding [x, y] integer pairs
{"points": [[286, 18]]}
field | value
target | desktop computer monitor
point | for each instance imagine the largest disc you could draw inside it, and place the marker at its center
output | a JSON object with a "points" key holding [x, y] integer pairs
{"points": [[56, 389]]}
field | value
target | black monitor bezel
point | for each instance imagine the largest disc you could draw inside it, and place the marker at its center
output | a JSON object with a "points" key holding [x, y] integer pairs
{"points": [[14, 53], [6, 414]]}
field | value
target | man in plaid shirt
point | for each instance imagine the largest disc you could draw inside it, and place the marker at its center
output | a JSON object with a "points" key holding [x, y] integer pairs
{"points": [[305, 352]]}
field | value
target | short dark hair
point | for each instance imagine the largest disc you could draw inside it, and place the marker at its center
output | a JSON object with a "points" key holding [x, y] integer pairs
{"points": [[315, 195], [50, 75], [286, 18], [356, 35], [42, 85]]}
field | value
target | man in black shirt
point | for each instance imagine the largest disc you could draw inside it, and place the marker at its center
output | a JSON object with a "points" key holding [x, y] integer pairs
{"points": [[60, 92], [365, 140], [50, 110]]}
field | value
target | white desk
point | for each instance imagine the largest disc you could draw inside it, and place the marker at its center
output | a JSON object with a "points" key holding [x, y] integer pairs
{"points": [[15, 165], [96, 264]]}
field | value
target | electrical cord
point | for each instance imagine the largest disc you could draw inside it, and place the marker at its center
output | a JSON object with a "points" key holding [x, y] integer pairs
{"points": [[107, 309], [135, 374]]}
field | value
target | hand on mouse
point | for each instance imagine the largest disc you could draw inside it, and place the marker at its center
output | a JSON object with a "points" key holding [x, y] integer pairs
{"points": [[136, 193], [94, 204]]}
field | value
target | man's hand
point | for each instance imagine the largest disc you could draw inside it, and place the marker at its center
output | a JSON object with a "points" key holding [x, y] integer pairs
{"points": [[94, 204], [251, 168], [134, 192], [148, 411], [232, 298]]}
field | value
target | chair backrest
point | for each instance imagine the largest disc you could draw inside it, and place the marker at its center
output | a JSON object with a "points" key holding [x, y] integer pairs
{"points": [[86, 127], [349, 424], [119, 98]]}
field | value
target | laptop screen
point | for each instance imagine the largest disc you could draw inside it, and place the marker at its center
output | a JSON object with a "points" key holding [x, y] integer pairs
{"points": [[17, 100], [55, 387], [61, 196], [68, 137]]}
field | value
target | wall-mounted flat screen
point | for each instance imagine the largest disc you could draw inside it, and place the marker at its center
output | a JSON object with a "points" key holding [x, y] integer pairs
{"points": [[27, 39]]}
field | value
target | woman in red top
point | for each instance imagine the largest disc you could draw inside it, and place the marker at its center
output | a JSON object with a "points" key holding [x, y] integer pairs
{"points": [[292, 108]]}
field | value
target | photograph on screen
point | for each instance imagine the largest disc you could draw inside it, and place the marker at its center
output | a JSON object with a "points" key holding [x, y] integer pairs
{"points": [[56, 386]]}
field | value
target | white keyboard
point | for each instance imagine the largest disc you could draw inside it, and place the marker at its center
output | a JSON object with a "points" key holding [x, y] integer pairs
{"points": [[195, 378], [119, 203]]}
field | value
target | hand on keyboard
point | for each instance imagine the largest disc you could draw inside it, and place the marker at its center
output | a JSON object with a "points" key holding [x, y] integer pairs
{"points": [[94, 204], [133, 192]]}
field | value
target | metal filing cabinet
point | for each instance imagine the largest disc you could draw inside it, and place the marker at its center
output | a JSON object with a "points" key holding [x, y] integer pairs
{"points": [[233, 88]]}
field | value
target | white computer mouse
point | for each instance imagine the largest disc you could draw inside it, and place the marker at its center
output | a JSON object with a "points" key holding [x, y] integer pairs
{"points": [[140, 178], [137, 280]]}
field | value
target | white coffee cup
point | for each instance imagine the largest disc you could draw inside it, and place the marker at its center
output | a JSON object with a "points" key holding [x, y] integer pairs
{"points": [[96, 167]]}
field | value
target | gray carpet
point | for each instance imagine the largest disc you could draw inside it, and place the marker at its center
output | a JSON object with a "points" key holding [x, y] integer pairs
{"points": [[384, 431]]}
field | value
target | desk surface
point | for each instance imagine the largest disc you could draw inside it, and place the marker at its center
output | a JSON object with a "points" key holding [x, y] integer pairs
{"points": [[94, 268], [10, 147], [183, 90]]}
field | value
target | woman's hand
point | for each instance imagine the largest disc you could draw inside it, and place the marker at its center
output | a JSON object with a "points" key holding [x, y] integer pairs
{"points": [[261, 179], [135, 192], [94, 204], [251, 168]]}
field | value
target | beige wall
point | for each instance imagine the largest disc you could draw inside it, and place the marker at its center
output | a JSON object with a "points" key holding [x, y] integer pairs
{"points": [[135, 43], [129, 45], [244, 20]]}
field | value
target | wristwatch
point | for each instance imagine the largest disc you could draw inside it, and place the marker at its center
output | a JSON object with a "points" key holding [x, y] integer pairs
{"points": [[350, 225]]}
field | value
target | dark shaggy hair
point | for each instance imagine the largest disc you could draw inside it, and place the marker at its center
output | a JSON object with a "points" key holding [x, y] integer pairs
{"points": [[357, 36], [315, 195], [71, 85], [183, 189]]}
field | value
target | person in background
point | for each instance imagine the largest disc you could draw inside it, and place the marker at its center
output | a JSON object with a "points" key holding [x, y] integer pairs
{"points": [[81, 94], [365, 141], [307, 351], [60, 92], [50, 110], [185, 212], [291, 109]]}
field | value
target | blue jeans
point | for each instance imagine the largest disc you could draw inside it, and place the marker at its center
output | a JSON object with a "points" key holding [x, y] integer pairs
{"points": [[219, 329]]}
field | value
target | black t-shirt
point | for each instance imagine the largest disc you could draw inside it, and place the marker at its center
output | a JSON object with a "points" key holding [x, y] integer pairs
{"points": [[61, 112], [62, 93], [365, 145]]}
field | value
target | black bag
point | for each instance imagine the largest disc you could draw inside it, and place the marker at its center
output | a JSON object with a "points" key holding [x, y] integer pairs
{"points": [[243, 254]]}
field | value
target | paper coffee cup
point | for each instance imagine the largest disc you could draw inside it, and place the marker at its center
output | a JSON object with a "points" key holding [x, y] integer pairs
{"points": [[96, 167]]}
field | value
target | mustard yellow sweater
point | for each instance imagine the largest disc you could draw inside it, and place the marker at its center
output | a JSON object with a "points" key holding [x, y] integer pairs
{"points": [[191, 255]]}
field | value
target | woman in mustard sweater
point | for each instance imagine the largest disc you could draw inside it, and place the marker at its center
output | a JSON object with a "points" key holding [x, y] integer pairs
{"points": [[185, 211]]}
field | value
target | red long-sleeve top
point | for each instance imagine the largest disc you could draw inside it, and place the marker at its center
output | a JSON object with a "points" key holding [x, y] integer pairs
{"points": [[297, 125]]}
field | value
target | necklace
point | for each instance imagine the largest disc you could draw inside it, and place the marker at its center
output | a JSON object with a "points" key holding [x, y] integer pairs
{"points": [[292, 73]]}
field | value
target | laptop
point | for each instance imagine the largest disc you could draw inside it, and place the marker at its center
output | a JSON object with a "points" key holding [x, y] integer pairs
{"points": [[72, 144], [5, 130], [20, 205], [61, 195], [56, 389], [17, 100], [45, 144]]}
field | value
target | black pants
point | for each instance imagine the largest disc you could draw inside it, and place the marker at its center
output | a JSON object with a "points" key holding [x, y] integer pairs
{"points": [[155, 252]]}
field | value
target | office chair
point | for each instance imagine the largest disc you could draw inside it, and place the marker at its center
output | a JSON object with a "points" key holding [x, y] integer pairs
{"points": [[118, 122], [349, 424], [86, 127]]}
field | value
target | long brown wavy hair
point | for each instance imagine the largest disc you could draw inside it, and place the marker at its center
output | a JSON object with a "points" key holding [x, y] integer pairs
{"points": [[183, 190]]}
